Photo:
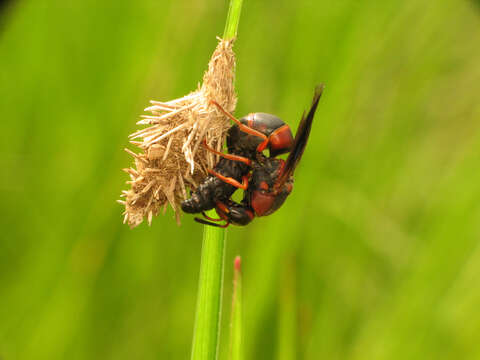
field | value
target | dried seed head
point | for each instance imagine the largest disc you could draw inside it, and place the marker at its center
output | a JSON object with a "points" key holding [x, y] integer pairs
{"points": [[171, 156]]}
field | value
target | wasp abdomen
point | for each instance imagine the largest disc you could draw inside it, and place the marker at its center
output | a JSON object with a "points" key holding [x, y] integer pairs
{"points": [[206, 195], [212, 189]]}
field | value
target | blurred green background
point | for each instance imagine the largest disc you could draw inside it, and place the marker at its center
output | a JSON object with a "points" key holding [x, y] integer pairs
{"points": [[376, 254]]}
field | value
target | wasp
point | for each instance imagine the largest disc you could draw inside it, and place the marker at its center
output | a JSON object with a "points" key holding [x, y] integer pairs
{"points": [[266, 181]]}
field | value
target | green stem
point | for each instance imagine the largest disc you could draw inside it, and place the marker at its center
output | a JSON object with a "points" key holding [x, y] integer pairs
{"points": [[233, 18], [209, 301], [236, 331], [210, 285]]}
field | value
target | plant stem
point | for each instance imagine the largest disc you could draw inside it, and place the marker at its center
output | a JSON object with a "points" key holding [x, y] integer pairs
{"points": [[233, 18], [236, 348], [209, 301], [207, 319]]}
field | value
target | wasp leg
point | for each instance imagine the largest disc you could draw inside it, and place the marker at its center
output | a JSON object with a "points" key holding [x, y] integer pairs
{"points": [[243, 127], [263, 145], [205, 222], [235, 213], [228, 156], [210, 218], [230, 180]]}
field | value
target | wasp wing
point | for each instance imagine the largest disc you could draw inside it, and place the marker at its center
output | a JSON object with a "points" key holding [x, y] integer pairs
{"points": [[301, 138]]}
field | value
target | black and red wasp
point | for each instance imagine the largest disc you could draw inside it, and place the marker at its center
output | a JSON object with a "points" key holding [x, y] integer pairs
{"points": [[266, 181]]}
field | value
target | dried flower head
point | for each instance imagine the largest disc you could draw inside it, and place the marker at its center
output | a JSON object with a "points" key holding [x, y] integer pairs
{"points": [[171, 156]]}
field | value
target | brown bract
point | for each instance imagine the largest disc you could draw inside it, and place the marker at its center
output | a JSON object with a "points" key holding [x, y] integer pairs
{"points": [[172, 157]]}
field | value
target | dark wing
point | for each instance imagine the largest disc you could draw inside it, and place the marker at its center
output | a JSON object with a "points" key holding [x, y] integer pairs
{"points": [[301, 138]]}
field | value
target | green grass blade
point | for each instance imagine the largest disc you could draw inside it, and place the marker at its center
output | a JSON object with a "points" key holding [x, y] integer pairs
{"points": [[233, 18], [236, 348], [209, 301]]}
